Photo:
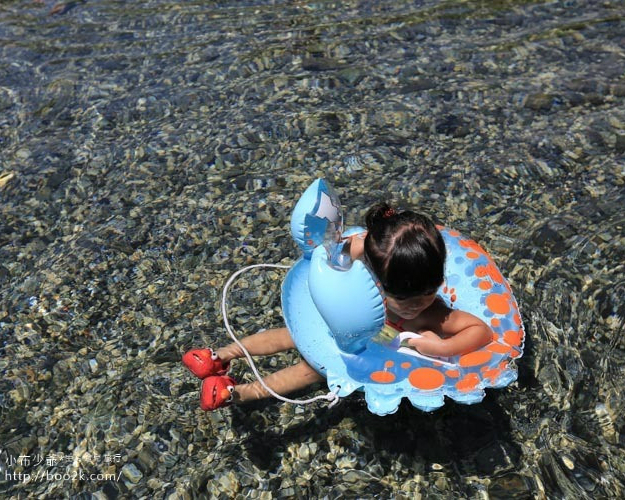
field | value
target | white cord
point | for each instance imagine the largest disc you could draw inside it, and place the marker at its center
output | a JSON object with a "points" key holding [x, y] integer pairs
{"points": [[332, 397]]}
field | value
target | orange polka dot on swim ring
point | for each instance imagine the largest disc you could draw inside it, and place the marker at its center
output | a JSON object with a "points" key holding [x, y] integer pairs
{"points": [[498, 303], [475, 358], [426, 379], [485, 285], [491, 373], [382, 377], [472, 255], [468, 382], [491, 271], [513, 337], [498, 348], [472, 245]]}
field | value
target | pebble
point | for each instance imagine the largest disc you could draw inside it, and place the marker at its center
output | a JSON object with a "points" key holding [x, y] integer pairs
{"points": [[20, 394], [320, 64], [5, 178], [568, 462], [132, 473], [539, 102], [229, 483], [147, 458]]}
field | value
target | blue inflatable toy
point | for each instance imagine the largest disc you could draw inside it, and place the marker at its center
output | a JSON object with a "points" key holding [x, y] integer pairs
{"points": [[334, 310]]}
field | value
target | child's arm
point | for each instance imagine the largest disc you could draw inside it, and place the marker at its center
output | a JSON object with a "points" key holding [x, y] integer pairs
{"points": [[356, 246], [450, 332]]}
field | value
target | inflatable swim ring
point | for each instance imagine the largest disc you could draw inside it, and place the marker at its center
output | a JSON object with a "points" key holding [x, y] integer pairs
{"points": [[335, 313]]}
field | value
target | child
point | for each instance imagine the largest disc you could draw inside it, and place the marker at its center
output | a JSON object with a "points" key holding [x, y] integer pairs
{"points": [[407, 253]]}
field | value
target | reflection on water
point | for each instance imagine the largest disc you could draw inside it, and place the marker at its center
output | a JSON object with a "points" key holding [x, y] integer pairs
{"points": [[147, 150]]}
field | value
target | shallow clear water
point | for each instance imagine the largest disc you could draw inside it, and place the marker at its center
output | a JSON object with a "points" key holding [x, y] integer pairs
{"points": [[148, 150]]}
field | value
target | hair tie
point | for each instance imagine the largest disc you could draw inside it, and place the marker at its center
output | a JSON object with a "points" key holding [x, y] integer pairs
{"points": [[389, 212]]}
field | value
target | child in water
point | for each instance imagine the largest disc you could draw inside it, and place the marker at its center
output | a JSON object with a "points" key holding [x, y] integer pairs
{"points": [[407, 253]]}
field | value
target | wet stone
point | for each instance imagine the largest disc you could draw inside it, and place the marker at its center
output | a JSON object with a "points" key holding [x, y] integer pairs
{"points": [[594, 99], [452, 125], [582, 85], [132, 473], [352, 76], [147, 458], [4, 273], [110, 490], [418, 85], [320, 64], [511, 485], [618, 90], [539, 102], [575, 98]]}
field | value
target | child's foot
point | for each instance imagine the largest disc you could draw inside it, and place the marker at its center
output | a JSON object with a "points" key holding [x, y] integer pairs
{"points": [[216, 392], [204, 363]]}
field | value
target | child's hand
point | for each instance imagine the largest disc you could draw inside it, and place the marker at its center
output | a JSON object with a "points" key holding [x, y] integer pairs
{"points": [[429, 344]]}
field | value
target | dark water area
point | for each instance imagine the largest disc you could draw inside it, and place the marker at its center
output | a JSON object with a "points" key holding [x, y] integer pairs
{"points": [[150, 149]]}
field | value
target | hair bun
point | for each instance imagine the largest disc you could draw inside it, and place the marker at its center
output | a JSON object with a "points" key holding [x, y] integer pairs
{"points": [[378, 212]]}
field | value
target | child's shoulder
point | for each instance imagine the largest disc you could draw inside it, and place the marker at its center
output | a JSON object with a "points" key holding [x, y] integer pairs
{"points": [[430, 318]]}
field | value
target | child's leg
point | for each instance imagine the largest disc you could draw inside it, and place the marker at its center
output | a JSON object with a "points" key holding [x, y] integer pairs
{"points": [[215, 387], [267, 342], [283, 382]]}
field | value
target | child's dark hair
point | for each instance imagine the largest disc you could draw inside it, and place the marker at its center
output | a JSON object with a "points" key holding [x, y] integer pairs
{"points": [[405, 251]]}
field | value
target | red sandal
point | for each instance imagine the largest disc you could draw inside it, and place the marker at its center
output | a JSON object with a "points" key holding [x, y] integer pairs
{"points": [[204, 363], [216, 392]]}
